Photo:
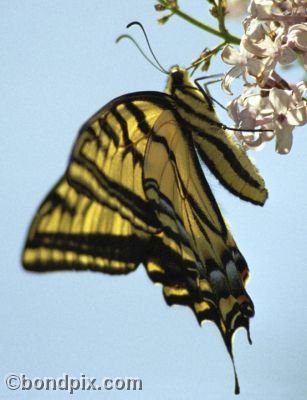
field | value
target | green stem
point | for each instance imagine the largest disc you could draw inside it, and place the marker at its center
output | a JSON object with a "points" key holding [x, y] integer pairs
{"points": [[224, 35], [221, 18]]}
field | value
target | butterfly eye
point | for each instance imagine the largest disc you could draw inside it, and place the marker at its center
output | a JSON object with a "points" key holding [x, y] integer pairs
{"points": [[177, 77]]}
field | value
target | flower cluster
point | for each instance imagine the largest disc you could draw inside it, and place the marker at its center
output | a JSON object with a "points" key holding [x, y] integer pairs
{"points": [[275, 34]]}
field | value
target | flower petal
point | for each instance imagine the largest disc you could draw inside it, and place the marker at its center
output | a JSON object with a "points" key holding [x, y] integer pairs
{"points": [[284, 140], [231, 55], [232, 74], [297, 116], [297, 35]]}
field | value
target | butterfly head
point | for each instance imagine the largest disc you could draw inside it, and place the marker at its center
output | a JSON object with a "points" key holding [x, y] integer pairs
{"points": [[178, 80]]}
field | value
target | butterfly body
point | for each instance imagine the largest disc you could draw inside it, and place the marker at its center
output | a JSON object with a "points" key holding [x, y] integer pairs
{"points": [[134, 192]]}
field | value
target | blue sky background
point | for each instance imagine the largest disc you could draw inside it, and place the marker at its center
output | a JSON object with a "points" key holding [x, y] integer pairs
{"points": [[59, 64]]}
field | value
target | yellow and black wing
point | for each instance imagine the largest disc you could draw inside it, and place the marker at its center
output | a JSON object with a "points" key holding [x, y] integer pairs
{"points": [[97, 216], [204, 268], [225, 158]]}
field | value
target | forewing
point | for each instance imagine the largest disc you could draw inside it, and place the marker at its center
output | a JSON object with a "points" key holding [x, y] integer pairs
{"points": [[98, 216], [71, 231]]}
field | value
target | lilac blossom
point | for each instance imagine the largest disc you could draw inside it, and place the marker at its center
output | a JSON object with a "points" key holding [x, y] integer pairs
{"points": [[275, 34]]}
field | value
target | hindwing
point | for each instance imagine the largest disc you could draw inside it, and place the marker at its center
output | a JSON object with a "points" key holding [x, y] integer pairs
{"points": [[210, 272]]}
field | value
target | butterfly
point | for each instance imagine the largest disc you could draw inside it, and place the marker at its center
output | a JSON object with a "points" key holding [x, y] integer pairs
{"points": [[134, 192]]}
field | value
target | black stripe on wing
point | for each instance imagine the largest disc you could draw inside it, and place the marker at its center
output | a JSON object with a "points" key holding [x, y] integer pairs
{"points": [[221, 229], [140, 208], [124, 249]]}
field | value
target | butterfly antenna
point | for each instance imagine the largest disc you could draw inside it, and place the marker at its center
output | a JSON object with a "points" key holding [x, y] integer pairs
{"points": [[139, 48], [158, 64]]}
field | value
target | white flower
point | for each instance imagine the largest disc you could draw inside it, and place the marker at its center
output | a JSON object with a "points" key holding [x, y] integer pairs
{"points": [[261, 9], [244, 64], [277, 114], [287, 112], [297, 38], [247, 112], [269, 51], [235, 8], [275, 34]]}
